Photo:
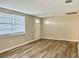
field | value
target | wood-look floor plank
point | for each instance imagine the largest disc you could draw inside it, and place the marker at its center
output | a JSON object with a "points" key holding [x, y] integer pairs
{"points": [[33, 49], [44, 48]]}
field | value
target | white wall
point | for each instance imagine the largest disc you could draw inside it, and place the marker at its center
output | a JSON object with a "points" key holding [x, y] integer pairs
{"points": [[78, 36], [37, 28], [60, 28], [12, 41]]}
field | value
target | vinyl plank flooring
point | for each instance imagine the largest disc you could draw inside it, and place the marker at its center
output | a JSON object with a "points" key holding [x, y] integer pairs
{"points": [[44, 48]]}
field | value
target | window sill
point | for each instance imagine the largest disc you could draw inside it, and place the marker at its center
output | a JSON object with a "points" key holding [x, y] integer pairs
{"points": [[13, 34]]}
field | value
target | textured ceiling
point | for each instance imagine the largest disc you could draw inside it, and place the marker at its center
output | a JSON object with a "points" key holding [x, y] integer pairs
{"points": [[42, 8]]}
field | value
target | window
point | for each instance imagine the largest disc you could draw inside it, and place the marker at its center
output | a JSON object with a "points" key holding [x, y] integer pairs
{"points": [[10, 23]]}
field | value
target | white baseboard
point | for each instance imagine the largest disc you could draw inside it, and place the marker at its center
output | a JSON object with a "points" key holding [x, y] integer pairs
{"points": [[17, 46], [59, 39], [35, 40]]}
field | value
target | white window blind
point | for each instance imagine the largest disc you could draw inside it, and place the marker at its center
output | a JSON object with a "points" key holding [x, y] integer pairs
{"points": [[10, 23]]}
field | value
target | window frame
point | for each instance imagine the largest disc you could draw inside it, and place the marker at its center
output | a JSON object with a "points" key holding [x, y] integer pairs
{"points": [[16, 33]]}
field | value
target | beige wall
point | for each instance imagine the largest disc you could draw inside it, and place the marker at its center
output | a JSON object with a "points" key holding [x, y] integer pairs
{"points": [[60, 28], [11, 41], [63, 28], [37, 28]]}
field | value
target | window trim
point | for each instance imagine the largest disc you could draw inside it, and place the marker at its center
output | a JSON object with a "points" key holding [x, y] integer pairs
{"points": [[16, 33], [13, 34]]}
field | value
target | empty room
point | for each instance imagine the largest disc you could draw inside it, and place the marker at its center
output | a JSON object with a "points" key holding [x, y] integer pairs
{"points": [[39, 28]]}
